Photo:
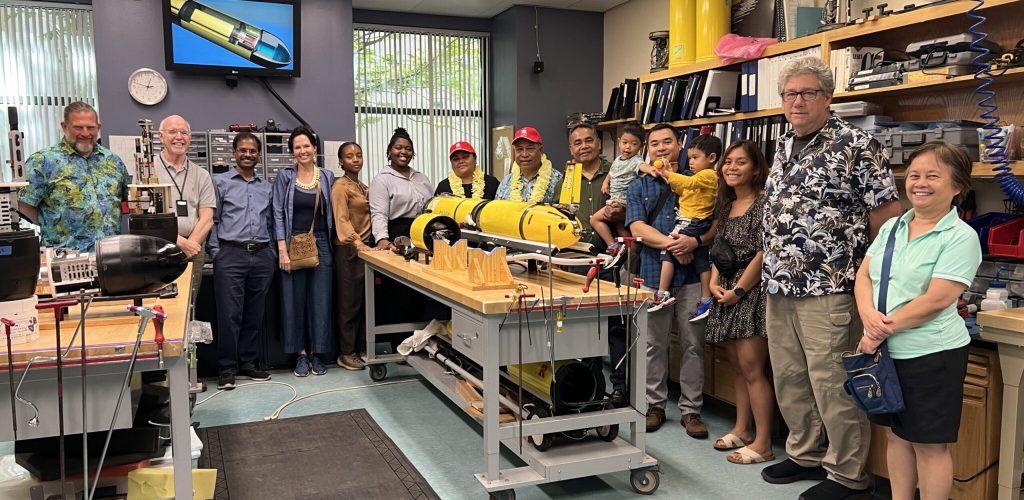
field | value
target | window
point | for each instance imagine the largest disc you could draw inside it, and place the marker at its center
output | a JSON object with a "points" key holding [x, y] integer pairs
{"points": [[431, 83], [47, 61]]}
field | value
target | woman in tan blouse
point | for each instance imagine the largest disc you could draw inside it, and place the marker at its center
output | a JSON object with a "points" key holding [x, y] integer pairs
{"points": [[352, 226]]}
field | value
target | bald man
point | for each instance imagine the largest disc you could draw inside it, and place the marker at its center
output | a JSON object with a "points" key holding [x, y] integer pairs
{"points": [[192, 195]]}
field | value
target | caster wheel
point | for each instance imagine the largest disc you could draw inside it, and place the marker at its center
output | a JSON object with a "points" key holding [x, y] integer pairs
{"points": [[502, 495], [540, 441], [608, 432], [644, 482], [378, 372]]}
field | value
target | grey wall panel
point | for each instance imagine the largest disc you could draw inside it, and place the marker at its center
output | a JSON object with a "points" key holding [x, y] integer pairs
{"points": [[128, 36]]}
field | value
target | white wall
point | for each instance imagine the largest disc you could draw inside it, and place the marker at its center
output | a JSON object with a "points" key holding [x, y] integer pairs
{"points": [[627, 50]]}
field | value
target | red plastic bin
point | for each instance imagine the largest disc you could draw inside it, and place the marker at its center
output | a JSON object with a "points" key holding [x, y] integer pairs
{"points": [[1007, 239]]}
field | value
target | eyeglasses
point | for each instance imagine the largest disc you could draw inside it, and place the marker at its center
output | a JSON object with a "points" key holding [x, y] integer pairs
{"points": [[173, 132], [808, 95]]}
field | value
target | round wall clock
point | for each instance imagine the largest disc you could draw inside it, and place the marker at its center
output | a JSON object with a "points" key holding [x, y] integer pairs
{"points": [[147, 86]]}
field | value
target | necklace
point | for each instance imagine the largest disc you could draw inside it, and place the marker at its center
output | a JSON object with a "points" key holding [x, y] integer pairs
{"points": [[477, 190], [310, 186], [539, 189]]}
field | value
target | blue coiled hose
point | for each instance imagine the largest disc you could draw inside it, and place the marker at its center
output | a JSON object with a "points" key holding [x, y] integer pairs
{"points": [[995, 142]]}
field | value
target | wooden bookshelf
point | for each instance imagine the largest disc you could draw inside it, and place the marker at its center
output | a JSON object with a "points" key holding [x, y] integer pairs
{"points": [[944, 14], [716, 63], [941, 13], [724, 118], [959, 82], [612, 124], [979, 170]]}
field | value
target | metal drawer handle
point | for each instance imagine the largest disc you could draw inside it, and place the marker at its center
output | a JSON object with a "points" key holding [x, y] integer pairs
{"points": [[466, 337]]}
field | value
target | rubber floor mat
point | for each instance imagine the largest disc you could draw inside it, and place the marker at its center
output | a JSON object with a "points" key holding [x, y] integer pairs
{"points": [[328, 456]]}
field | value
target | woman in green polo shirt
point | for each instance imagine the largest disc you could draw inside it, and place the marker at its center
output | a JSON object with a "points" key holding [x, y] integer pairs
{"points": [[934, 260]]}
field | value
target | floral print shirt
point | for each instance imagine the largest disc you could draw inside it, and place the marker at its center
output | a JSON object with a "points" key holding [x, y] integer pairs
{"points": [[78, 198], [816, 219]]}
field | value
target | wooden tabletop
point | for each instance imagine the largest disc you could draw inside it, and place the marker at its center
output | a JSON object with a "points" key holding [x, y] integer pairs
{"points": [[1011, 320], [496, 301], [110, 330]]}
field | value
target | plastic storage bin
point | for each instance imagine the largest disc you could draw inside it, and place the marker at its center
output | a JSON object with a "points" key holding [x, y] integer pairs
{"points": [[1007, 239], [983, 223]]}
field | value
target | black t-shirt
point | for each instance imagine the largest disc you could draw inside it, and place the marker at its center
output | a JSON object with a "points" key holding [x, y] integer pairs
{"points": [[799, 143], [490, 188]]}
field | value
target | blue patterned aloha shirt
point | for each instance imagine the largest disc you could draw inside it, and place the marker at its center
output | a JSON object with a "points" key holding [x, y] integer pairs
{"points": [[78, 198], [816, 218]]}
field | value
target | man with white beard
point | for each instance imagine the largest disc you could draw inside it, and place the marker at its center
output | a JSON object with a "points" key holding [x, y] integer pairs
{"points": [[76, 186]]}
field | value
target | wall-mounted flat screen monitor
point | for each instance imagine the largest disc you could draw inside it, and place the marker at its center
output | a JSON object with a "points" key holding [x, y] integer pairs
{"points": [[232, 37]]}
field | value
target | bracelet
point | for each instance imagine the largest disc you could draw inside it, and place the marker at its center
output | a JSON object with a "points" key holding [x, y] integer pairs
{"points": [[699, 242]]}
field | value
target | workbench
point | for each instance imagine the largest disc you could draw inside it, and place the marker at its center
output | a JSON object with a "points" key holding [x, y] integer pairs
{"points": [[110, 331], [478, 333], [1006, 327]]}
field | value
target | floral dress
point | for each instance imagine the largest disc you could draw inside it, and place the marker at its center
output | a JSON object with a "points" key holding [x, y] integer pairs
{"points": [[745, 318]]}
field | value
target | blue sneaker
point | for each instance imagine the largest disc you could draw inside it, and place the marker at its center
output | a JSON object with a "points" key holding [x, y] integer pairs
{"points": [[302, 366], [702, 310], [319, 368]]}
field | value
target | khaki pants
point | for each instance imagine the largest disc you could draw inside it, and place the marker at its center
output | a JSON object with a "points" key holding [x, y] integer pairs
{"points": [[691, 367], [806, 338]]}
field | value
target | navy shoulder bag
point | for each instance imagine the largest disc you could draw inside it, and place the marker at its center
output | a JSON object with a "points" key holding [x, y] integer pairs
{"points": [[871, 379]]}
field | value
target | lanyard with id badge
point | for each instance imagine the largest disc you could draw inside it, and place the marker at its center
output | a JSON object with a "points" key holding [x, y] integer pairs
{"points": [[180, 206]]}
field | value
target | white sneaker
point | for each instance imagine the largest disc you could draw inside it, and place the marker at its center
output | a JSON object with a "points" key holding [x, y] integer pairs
{"points": [[662, 299]]}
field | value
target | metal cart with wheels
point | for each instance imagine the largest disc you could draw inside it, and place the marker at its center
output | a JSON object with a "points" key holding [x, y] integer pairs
{"points": [[481, 334]]}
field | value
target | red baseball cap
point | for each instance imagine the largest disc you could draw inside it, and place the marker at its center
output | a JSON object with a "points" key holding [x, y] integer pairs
{"points": [[528, 133], [461, 146]]}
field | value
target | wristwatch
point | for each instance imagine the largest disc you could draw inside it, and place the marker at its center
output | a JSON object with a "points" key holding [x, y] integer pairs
{"points": [[740, 292]]}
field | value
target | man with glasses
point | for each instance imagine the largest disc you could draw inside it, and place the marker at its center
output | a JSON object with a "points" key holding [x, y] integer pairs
{"points": [[192, 196], [532, 177], [829, 190], [243, 262], [75, 187]]}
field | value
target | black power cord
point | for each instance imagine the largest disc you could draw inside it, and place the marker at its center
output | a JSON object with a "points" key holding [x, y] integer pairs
{"points": [[273, 92], [1013, 57]]}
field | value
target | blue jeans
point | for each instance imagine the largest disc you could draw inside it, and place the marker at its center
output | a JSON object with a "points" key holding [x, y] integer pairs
{"points": [[306, 304]]}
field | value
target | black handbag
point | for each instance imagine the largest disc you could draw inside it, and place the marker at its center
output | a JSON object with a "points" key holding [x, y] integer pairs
{"points": [[724, 258], [871, 379]]}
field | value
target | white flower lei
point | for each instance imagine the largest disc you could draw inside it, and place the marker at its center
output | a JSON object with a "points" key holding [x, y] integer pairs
{"points": [[455, 182], [539, 189]]}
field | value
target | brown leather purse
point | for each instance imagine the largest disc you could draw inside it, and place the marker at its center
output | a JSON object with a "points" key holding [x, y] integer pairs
{"points": [[302, 248]]}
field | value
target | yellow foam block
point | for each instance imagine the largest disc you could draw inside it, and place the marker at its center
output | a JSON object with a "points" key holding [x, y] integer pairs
{"points": [[158, 483]]}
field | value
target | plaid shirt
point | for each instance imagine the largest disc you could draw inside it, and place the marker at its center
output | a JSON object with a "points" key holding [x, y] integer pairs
{"points": [[641, 198]]}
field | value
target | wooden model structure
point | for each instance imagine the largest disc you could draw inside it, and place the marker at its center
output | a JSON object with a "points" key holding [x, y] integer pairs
{"points": [[471, 267]]}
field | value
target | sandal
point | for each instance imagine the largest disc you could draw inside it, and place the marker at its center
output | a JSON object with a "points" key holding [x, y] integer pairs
{"points": [[730, 442], [746, 456]]}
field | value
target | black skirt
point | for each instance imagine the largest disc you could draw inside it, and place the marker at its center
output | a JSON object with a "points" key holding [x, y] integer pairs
{"points": [[933, 391]]}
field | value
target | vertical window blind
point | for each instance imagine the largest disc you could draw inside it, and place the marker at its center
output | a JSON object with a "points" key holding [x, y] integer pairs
{"points": [[47, 61], [433, 84]]}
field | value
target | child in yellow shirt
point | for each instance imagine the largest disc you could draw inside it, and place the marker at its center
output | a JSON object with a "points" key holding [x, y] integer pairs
{"points": [[698, 195]]}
